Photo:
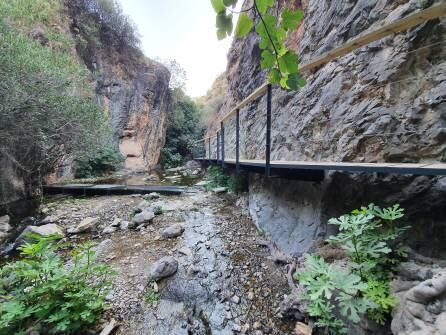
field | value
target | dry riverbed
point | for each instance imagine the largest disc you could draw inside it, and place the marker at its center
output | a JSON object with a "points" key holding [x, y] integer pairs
{"points": [[225, 282]]}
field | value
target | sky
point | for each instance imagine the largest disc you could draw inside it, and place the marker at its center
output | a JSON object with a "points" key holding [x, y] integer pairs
{"points": [[183, 30]]}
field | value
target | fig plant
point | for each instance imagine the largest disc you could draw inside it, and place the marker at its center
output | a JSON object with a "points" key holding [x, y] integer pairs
{"points": [[280, 61]]}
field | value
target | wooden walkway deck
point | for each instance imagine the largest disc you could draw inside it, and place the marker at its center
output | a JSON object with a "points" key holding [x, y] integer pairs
{"points": [[313, 169], [110, 189]]}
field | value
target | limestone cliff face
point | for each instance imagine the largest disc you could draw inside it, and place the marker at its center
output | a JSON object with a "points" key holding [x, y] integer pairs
{"points": [[133, 89], [382, 103], [137, 107]]}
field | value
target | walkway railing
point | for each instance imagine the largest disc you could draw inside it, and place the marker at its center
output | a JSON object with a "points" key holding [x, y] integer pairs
{"points": [[405, 23]]}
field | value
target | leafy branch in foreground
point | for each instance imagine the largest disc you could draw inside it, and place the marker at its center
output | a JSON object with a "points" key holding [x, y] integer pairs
{"points": [[41, 293], [362, 286], [281, 62]]}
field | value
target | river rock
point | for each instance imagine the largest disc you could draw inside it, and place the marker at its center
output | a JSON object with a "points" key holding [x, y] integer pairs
{"points": [[109, 229], [49, 219], [422, 308], [116, 222], [293, 306], [219, 190], [143, 205], [173, 231], [45, 230], [152, 196], [126, 225], [165, 267], [5, 228], [103, 248], [144, 217], [86, 225]]}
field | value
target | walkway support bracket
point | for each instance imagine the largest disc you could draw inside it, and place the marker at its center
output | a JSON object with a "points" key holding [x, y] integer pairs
{"points": [[268, 133]]}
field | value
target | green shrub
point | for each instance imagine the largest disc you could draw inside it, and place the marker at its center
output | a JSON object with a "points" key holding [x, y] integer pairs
{"points": [[217, 177], [183, 130], [152, 296], [98, 162], [30, 12], [170, 159], [362, 287], [40, 293], [46, 106]]}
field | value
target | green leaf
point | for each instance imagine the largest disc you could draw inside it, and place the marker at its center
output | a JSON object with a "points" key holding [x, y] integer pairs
{"points": [[291, 19], [218, 5], [224, 25], [295, 81], [268, 60], [263, 5], [288, 62], [274, 76], [229, 3], [244, 25]]}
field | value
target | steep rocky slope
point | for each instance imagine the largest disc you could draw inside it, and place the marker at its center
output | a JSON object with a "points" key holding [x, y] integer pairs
{"points": [[385, 102]]}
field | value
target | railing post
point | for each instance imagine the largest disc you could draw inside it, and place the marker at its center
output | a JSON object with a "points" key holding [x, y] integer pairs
{"points": [[209, 150], [222, 145], [268, 133], [218, 147], [237, 141]]}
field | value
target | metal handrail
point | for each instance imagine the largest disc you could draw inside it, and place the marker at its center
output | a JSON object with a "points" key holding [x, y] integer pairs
{"points": [[402, 24]]}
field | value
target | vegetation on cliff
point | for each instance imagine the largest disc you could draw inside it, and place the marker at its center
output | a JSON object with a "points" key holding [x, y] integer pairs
{"points": [[47, 103], [45, 96], [183, 129]]}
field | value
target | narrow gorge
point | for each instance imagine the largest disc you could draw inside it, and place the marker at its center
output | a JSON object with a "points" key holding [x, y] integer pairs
{"points": [[304, 194]]}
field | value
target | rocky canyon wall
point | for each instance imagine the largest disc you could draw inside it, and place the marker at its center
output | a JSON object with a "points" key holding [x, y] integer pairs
{"points": [[137, 108], [385, 102], [132, 89]]}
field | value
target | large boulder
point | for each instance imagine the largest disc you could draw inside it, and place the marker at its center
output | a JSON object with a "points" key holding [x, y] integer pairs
{"points": [[45, 230], [86, 225], [165, 267], [144, 217], [421, 307], [5, 228], [173, 231]]}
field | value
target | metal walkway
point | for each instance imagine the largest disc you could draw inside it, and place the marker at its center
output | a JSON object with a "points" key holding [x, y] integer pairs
{"points": [[94, 189], [315, 170]]}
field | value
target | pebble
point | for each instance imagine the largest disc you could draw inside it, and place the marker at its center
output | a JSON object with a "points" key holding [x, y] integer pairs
{"points": [[235, 299]]}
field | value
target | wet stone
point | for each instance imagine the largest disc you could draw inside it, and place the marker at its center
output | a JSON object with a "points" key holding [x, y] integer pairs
{"points": [[165, 267]]}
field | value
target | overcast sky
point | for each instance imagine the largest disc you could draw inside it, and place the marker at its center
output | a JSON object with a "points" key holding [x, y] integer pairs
{"points": [[183, 30]]}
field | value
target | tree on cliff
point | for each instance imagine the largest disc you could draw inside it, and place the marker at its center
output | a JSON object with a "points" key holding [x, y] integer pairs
{"points": [[281, 62]]}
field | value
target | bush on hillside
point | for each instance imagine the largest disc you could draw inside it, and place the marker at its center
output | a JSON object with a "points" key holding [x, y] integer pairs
{"points": [[98, 162], [46, 106], [103, 21]]}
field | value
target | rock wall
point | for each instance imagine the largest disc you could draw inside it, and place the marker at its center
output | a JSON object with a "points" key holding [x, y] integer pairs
{"points": [[385, 102], [137, 107]]}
